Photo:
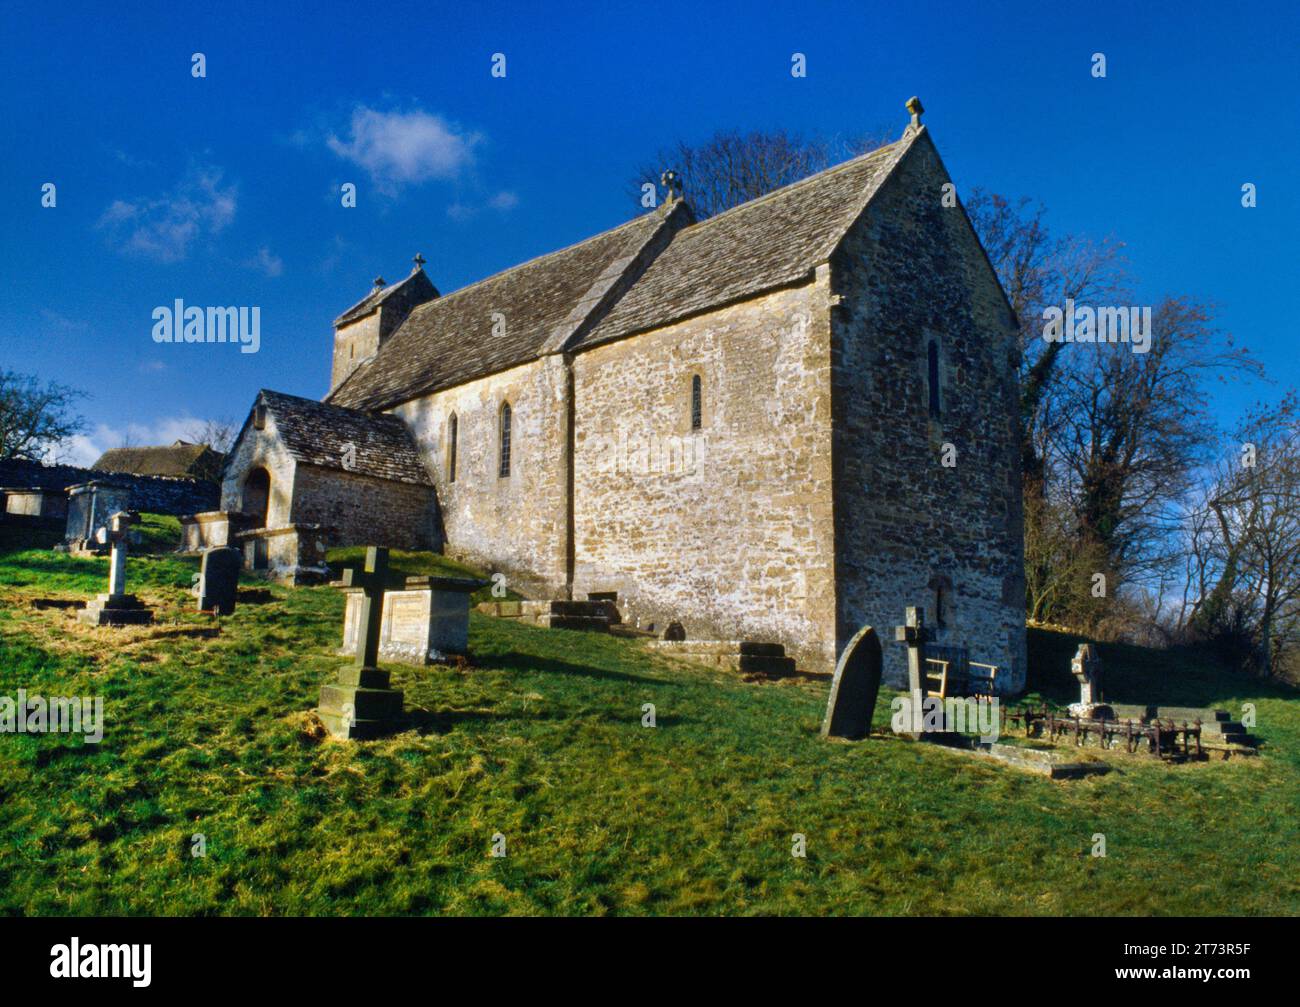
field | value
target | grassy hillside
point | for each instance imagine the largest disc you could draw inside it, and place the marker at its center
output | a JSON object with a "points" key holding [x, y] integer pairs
{"points": [[542, 741]]}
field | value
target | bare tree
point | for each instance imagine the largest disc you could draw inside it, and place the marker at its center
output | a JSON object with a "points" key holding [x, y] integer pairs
{"points": [[218, 434], [730, 167], [35, 416], [1246, 537], [1131, 430], [1038, 270]]}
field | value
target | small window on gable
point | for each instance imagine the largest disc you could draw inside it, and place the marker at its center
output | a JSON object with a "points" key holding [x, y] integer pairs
{"points": [[503, 469], [453, 426], [697, 402], [934, 378]]}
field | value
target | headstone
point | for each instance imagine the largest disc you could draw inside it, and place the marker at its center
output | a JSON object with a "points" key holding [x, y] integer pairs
{"points": [[854, 688], [218, 580], [116, 608], [916, 634], [361, 705], [424, 624], [675, 631], [1086, 668]]}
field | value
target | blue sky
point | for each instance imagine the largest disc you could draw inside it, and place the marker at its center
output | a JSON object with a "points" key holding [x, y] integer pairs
{"points": [[225, 190]]}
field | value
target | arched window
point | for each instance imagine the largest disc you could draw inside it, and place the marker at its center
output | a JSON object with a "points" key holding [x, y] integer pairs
{"points": [[453, 428], [697, 402], [934, 378], [503, 469]]}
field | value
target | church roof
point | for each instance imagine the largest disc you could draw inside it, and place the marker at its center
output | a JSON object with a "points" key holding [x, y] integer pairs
{"points": [[317, 433], [451, 339], [379, 295], [769, 242], [654, 270]]}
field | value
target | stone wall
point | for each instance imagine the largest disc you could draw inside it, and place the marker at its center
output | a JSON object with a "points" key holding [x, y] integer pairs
{"points": [[515, 525], [353, 344], [363, 510], [260, 449], [911, 272], [728, 529]]}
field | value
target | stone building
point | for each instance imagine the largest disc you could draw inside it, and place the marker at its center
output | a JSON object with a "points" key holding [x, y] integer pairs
{"points": [[180, 459], [782, 423], [303, 475]]}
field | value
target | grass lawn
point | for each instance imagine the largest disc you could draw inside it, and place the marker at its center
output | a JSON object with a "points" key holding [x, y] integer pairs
{"points": [[208, 732]]}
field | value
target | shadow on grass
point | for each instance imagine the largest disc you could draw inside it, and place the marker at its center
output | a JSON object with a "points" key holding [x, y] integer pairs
{"points": [[513, 661], [441, 722]]}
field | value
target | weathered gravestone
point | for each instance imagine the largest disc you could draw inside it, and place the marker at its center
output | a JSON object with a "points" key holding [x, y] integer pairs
{"points": [[218, 580], [423, 624], [854, 688], [675, 631], [361, 705], [1086, 668], [117, 608]]}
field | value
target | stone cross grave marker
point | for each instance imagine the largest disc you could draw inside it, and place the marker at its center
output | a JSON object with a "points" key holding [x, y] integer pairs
{"points": [[116, 608], [854, 688], [218, 580], [916, 634], [1086, 668], [361, 705]]}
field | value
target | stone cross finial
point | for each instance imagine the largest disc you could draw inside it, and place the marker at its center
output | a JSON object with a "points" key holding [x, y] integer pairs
{"points": [[916, 634], [916, 108], [419, 261], [672, 182], [379, 283]]}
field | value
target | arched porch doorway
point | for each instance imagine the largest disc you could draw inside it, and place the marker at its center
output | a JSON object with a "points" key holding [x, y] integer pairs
{"points": [[255, 496]]}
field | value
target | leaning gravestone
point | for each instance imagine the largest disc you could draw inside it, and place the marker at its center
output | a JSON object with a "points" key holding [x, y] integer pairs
{"points": [[218, 580], [117, 608], [854, 688]]}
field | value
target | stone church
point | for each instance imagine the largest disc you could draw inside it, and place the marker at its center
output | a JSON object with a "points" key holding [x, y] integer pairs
{"points": [[781, 423]]}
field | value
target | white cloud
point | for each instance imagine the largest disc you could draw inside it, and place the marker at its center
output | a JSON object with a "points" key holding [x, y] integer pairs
{"points": [[504, 201], [164, 227], [84, 449], [400, 148], [266, 261]]}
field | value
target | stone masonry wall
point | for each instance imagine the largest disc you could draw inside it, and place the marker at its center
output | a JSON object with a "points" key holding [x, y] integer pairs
{"points": [[728, 529], [911, 271], [514, 525], [261, 449], [363, 510]]}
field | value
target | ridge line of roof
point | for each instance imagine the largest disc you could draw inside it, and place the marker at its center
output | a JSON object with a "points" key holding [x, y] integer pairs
{"points": [[538, 258], [785, 189]]}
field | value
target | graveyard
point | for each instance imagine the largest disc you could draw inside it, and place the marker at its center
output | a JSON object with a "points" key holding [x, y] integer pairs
{"points": [[538, 737]]}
